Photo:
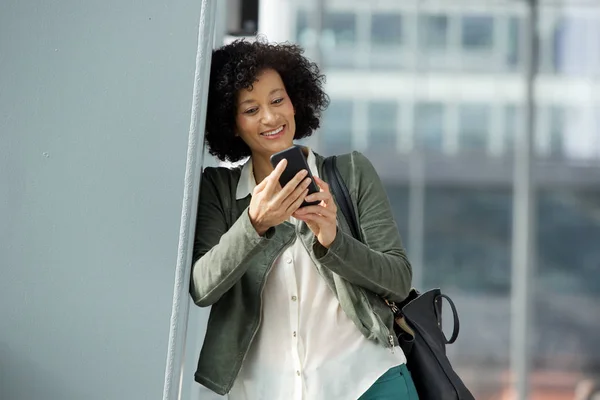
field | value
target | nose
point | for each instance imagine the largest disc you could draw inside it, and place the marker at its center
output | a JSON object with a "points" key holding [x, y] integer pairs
{"points": [[268, 117]]}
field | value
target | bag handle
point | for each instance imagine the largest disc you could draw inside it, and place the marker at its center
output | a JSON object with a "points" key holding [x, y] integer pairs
{"points": [[456, 327]]}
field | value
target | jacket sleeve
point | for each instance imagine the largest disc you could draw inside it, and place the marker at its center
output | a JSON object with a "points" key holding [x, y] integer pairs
{"points": [[380, 263], [220, 254]]}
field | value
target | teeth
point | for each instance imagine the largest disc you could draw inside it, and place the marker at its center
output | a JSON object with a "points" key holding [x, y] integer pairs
{"points": [[275, 132]]}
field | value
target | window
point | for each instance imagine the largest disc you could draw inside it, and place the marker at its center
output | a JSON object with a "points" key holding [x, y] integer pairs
{"points": [[557, 125], [429, 126], [512, 126], [477, 32], [383, 118], [567, 273], [474, 126], [386, 30], [514, 32], [335, 135], [467, 238], [432, 31], [341, 27], [301, 24]]}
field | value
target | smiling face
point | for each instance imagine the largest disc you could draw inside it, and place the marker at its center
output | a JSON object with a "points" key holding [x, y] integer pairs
{"points": [[265, 116]]}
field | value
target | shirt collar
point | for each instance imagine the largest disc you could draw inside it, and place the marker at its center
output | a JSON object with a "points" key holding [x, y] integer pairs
{"points": [[247, 183]]}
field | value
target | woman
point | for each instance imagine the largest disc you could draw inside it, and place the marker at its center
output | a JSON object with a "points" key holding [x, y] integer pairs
{"points": [[296, 312]]}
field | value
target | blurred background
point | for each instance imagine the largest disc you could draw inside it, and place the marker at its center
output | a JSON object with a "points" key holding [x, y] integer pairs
{"points": [[441, 96], [481, 117]]}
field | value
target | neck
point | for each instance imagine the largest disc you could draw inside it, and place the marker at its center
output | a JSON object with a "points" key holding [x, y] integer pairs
{"points": [[262, 167]]}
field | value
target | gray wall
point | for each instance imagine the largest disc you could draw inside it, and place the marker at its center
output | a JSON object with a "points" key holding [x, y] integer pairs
{"points": [[95, 101]]}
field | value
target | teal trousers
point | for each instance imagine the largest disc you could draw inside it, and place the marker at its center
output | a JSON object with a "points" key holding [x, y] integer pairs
{"points": [[395, 384]]}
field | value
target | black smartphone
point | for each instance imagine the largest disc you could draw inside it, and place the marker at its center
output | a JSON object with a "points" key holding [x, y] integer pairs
{"points": [[296, 162]]}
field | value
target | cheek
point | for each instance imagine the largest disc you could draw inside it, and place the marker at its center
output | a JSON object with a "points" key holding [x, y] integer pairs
{"points": [[289, 110], [244, 125]]}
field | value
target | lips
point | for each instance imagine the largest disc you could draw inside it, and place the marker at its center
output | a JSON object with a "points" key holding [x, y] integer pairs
{"points": [[274, 134]]}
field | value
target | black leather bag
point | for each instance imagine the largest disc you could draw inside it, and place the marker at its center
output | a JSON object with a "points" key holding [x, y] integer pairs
{"points": [[418, 319]]}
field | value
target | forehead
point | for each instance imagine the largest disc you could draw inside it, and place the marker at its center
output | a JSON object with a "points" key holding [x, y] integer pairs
{"points": [[267, 81]]}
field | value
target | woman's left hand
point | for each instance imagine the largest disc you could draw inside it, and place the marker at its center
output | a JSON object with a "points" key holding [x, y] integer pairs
{"points": [[320, 218]]}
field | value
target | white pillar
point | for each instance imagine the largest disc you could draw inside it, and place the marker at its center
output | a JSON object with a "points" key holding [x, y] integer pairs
{"points": [[193, 172], [275, 20]]}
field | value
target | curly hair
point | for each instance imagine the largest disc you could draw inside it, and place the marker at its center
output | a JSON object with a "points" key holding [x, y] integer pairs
{"points": [[235, 67]]}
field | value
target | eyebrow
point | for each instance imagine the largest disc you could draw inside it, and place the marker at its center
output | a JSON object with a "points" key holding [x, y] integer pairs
{"points": [[270, 94]]}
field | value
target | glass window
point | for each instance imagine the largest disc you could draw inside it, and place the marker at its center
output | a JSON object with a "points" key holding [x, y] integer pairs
{"points": [[512, 125], [301, 25], [341, 27], [514, 33], [477, 32], [305, 34], [557, 124], [433, 31], [574, 44], [398, 196], [429, 126], [383, 122], [474, 126], [335, 135], [567, 274], [386, 29], [461, 251], [558, 39]]}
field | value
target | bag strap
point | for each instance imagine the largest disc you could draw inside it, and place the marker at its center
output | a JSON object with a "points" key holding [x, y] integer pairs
{"points": [[339, 190], [342, 195]]}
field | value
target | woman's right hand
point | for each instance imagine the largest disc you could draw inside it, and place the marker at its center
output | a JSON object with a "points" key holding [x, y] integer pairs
{"points": [[270, 206]]}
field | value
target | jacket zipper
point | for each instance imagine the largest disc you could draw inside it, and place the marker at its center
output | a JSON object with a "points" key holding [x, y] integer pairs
{"points": [[390, 336], [285, 246]]}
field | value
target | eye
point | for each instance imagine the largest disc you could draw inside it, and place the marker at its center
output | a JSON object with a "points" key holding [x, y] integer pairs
{"points": [[251, 110], [278, 101]]}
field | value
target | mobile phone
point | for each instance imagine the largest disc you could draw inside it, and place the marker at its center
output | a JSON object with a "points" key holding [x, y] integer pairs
{"points": [[296, 162]]}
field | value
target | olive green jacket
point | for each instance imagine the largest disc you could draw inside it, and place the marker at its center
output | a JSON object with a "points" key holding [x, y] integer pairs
{"points": [[231, 264]]}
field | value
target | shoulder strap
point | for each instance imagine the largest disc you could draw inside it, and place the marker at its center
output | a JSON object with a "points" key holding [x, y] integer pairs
{"points": [[340, 191]]}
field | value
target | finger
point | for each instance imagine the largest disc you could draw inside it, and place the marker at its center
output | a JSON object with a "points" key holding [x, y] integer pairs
{"points": [[292, 185], [318, 210], [299, 193], [320, 196], [314, 219], [314, 226], [261, 186], [322, 184], [294, 206], [273, 178]]}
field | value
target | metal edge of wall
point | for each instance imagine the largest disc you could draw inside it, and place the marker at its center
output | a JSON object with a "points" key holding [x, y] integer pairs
{"points": [[193, 173]]}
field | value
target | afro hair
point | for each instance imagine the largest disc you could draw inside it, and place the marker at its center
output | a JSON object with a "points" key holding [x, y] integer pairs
{"points": [[235, 67]]}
